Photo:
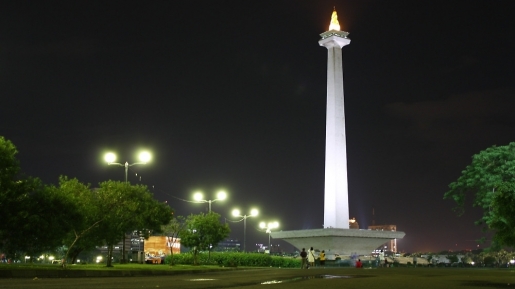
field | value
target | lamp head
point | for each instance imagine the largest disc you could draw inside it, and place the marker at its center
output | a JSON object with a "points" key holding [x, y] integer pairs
{"points": [[221, 195], [110, 157], [254, 212], [236, 212], [198, 196], [145, 157]]}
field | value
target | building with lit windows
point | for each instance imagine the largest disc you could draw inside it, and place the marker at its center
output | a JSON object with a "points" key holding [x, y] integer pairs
{"points": [[390, 245]]}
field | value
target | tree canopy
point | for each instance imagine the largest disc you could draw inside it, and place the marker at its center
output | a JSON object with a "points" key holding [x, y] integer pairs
{"points": [[37, 218], [134, 207], [30, 213], [490, 178], [203, 232]]}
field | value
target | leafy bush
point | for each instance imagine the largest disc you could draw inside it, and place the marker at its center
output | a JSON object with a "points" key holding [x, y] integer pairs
{"points": [[490, 261], [230, 259]]}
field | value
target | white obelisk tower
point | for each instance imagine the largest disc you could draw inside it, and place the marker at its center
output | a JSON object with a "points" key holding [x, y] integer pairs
{"points": [[336, 203], [336, 236]]}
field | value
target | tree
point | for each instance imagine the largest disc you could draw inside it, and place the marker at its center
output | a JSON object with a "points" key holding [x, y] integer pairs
{"points": [[31, 214], [40, 224], [134, 208], [9, 165], [453, 258], [11, 189], [203, 232], [90, 208], [173, 230], [491, 178], [502, 257]]}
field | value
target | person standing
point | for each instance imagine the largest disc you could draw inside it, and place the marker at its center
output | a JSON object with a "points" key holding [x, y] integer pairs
{"points": [[303, 255], [415, 260], [322, 258], [311, 257], [381, 258]]}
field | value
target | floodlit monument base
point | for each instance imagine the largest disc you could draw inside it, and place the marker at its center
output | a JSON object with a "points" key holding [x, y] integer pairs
{"points": [[344, 242]]}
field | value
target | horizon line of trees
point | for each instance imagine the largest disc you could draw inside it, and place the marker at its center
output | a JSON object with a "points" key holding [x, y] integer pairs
{"points": [[38, 218], [71, 217]]}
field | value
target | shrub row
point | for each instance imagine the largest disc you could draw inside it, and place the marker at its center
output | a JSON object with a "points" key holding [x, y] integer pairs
{"points": [[229, 259]]}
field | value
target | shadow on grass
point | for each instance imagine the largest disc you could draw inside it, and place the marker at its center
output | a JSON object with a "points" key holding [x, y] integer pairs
{"points": [[484, 284]]}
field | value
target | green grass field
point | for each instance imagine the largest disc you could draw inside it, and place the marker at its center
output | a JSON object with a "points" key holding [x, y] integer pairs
{"points": [[398, 278], [130, 266], [434, 278]]}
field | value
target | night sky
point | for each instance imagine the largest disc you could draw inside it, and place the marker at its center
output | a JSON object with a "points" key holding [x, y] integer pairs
{"points": [[232, 95]]}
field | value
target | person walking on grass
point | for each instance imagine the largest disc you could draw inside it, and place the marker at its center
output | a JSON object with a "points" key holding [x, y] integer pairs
{"points": [[311, 257], [303, 255]]}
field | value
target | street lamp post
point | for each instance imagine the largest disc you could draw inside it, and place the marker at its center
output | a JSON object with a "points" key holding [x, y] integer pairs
{"points": [[144, 158], [110, 158], [199, 198], [253, 213], [269, 227]]}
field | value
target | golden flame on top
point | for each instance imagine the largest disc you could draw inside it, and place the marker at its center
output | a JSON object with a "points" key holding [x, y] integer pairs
{"points": [[335, 25]]}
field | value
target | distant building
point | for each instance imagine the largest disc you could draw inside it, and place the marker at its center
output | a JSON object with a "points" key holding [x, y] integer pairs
{"points": [[160, 245], [390, 245], [228, 245], [353, 224]]}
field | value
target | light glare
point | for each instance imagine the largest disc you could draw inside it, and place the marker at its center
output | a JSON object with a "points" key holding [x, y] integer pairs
{"points": [[110, 157], [145, 157], [236, 212], [198, 196], [221, 195]]}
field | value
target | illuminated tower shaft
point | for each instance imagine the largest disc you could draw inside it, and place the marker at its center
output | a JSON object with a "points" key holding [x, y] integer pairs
{"points": [[336, 202]]}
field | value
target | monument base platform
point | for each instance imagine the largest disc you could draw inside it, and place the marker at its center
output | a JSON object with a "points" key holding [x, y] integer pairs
{"points": [[338, 241]]}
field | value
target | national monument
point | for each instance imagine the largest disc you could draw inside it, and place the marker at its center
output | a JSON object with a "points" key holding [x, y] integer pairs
{"points": [[335, 236]]}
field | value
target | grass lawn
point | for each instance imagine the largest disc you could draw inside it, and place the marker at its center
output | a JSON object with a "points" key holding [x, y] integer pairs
{"points": [[130, 266], [326, 278], [434, 278]]}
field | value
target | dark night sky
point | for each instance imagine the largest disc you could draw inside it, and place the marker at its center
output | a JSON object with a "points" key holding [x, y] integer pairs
{"points": [[232, 95]]}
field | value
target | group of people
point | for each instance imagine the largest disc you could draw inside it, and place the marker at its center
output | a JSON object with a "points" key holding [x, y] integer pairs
{"points": [[382, 261], [308, 258]]}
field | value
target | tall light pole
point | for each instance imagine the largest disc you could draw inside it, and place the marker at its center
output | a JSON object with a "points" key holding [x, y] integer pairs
{"points": [[269, 227], [253, 213], [199, 198], [144, 158], [110, 158]]}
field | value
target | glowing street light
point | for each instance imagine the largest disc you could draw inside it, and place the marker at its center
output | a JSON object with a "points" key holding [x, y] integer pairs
{"points": [[269, 227], [144, 158], [253, 213], [110, 158], [199, 198]]}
